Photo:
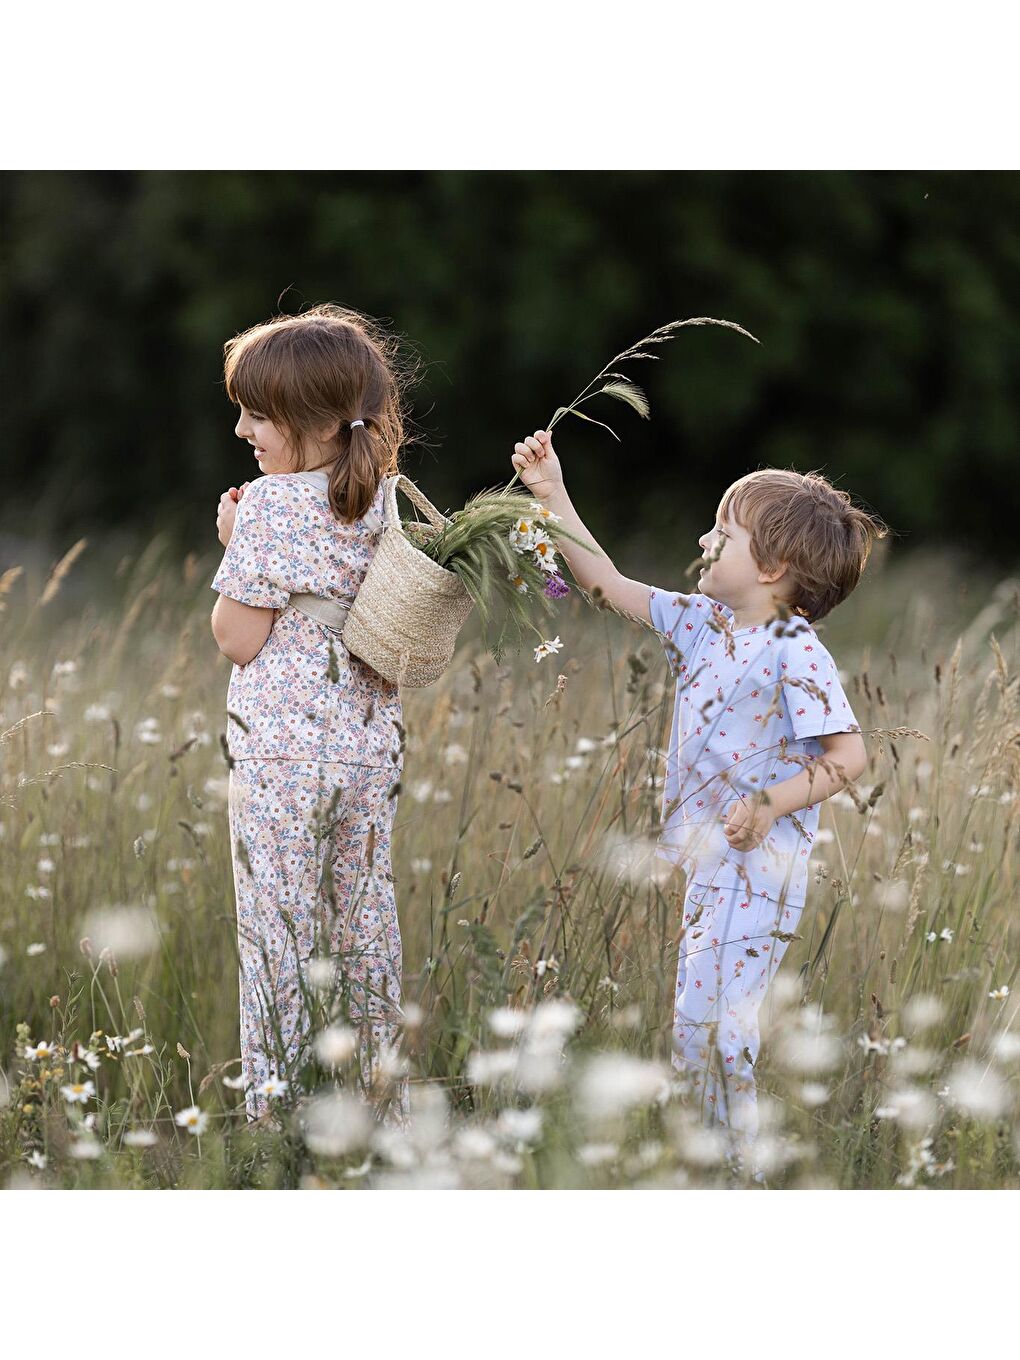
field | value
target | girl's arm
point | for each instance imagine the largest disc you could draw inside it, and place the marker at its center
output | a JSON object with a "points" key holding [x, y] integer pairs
{"points": [[536, 461]]}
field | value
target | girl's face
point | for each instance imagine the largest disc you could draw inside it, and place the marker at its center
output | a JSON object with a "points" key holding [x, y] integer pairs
{"points": [[272, 451]]}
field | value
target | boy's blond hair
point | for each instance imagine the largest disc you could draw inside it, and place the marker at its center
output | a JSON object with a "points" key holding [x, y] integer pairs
{"points": [[801, 519]]}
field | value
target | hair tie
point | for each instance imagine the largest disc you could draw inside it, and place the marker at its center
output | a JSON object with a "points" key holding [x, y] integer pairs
{"points": [[356, 422]]}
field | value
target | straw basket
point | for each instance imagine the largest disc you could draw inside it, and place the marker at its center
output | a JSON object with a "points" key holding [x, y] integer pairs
{"points": [[408, 610]]}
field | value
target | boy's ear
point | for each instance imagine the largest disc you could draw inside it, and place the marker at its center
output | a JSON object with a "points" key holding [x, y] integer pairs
{"points": [[768, 578]]}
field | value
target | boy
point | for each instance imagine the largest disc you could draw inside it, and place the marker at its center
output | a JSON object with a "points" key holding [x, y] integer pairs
{"points": [[762, 732]]}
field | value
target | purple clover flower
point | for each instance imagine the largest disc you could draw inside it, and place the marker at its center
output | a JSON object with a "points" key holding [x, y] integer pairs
{"points": [[555, 588]]}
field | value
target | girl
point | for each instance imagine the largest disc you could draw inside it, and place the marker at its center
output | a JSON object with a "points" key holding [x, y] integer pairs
{"points": [[314, 734]]}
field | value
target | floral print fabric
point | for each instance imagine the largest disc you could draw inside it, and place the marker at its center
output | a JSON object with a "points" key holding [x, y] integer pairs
{"points": [[745, 705], [310, 844], [287, 540]]}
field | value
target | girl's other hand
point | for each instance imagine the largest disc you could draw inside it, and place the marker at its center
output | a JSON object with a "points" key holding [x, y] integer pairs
{"points": [[535, 459], [227, 511], [225, 514]]}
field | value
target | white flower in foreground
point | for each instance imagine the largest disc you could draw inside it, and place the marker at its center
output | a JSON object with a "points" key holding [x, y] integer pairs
{"points": [[36, 948], [336, 1045], [79, 1053], [78, 1092], [548, 647], [1006, 1046], [543, 513], [871, 1045], [922, 1011], [977, 1090], [552, 1022], [910, 1106], [507, 1022], [474, 1143], [37, 1159], [544, 550], [893, 895], [117, 1043], [518, 582], [946, 934], [336, 1123], [1000, 993], [37, 1052], [129, 932], [273, 1087], [322, 974], [596, 1154], [86, 1149], [140, 1052], [235, 1083], [613, 1083], [489, 1069], [813, 1093], [140, 1138], [805, 1045], [520, 1126], [193, 1119]]}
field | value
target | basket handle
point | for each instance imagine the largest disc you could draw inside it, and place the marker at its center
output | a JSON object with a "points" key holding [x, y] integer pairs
{"points": [[391, 516]]}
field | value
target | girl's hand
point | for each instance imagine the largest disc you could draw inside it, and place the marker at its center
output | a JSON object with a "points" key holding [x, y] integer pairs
{"points": [[535, 459], [227, 511], [748, 822]]}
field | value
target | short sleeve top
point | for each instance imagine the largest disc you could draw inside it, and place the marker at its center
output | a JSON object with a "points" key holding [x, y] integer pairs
{"points": [[748, 700], [284, 703]]}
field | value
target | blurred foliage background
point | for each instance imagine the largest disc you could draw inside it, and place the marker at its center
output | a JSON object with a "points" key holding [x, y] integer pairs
{"points": [[886, 304]]}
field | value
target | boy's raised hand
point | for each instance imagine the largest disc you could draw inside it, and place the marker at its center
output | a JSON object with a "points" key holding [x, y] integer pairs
{"points": [[535, 459]]}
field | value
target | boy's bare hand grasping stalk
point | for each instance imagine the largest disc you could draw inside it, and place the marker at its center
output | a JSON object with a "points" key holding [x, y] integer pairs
{"points": [[535, 460]]}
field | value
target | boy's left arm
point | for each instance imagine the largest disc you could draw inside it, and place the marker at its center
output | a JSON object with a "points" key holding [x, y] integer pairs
{"points": [[749, 821]]}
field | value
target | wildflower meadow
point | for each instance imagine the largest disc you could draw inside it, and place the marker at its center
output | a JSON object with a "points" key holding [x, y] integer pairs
{"points": [[540, 932]]}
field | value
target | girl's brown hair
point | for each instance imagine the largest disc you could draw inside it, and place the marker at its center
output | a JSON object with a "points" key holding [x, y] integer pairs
{"points": [[801, 519], [311, 375]]}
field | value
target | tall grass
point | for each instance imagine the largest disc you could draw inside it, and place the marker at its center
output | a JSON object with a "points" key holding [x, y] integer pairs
{"points": [[528, 897]]}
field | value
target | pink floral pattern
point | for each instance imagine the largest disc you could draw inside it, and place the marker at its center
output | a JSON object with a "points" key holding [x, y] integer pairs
{"points": [[312, 791], [287, 540], [311, 851]]}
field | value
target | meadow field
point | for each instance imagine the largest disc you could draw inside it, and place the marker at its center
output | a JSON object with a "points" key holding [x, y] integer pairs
{"points": [[540, 936]]}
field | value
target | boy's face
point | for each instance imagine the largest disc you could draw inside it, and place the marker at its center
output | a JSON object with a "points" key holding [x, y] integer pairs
{"points": [[731, 575]]}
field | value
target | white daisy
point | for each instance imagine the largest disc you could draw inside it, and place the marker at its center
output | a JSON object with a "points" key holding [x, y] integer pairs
{"points": [[1000, 993], [193, 1119], [78, 1092], [274, 1087], [140, 1138], [548, 648], [36, 1052]]}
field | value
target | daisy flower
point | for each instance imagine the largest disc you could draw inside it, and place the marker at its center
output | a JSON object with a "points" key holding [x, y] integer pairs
{"points": [[193, 1119], [78, 1092], [1000, 993], [548, 648], [36, 1052], [273, 1087]]}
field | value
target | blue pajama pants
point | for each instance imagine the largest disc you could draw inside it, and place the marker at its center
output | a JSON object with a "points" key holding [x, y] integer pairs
{"points": [[728, 956]]}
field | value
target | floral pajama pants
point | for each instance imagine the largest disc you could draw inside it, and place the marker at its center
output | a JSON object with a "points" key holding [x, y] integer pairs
{"points": [[728, 956], [310, 846]]}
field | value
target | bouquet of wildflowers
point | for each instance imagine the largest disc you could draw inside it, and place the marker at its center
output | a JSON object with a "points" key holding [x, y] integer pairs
{"points": [[503, 544]]}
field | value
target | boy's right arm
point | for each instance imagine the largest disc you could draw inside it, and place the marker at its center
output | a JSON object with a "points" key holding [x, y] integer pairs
{"points": [[536, 461]]}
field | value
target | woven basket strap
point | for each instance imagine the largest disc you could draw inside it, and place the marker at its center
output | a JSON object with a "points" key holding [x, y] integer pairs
{"points": [[392, 516]]}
